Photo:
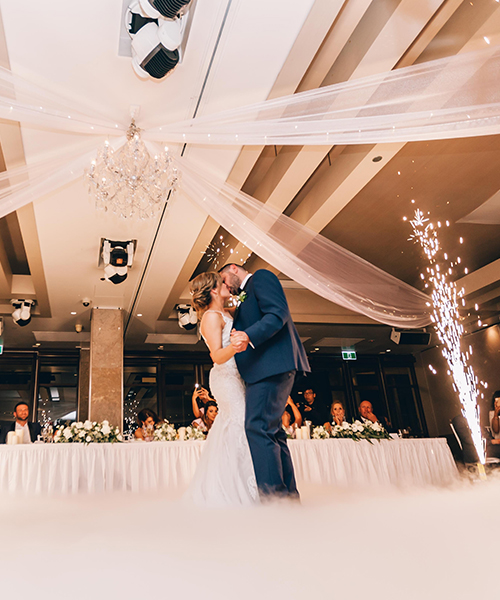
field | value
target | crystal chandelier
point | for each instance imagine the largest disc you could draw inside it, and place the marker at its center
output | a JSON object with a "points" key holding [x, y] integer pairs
{"points": [[130, 182]]}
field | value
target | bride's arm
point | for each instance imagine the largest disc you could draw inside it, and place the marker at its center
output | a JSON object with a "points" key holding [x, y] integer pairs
{"points": [[211, 328]]}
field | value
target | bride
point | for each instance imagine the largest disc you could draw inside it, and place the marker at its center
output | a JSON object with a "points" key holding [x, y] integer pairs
{"points": [[225, 474]]}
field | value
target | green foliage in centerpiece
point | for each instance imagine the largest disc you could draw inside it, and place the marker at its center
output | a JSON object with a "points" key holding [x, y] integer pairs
{"points": [[87, 433], [355, 431]]}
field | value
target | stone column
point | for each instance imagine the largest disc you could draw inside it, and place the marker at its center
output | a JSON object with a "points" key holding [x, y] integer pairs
{"points": [[84, 382], [106, 366]]}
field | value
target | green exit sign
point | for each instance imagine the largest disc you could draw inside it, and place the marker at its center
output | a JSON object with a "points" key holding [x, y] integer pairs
{"points": [[349, 354]]}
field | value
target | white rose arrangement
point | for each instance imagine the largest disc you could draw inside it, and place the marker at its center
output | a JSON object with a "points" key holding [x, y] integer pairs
{"points": [[320, 433], [355, 431], [87, 432], [164, 432], [194, 433]]}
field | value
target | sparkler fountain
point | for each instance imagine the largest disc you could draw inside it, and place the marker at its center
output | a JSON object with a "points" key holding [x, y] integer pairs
{"points": [[446, 319]]}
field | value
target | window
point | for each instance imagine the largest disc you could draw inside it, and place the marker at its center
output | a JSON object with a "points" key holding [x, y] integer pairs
{"points": [[57, 390], [16, 383], [140, 391]]}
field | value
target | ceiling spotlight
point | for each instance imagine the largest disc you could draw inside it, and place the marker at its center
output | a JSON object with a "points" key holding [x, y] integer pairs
{"points": [[186, 316], [157, 29], [22, 311], [168, 9], [117, 258]]}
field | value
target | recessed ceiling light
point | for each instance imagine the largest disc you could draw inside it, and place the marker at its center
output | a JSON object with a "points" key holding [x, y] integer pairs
{"points": [[388, 350], [37, 344], [316, 348], [139, 314], [73, 312]]}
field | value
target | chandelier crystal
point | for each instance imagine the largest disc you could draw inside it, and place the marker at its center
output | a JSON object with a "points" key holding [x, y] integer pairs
{"points": [[130, 182]]}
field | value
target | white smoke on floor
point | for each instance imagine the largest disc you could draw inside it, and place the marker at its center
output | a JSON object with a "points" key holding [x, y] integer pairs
{"points": [[336, 544]]}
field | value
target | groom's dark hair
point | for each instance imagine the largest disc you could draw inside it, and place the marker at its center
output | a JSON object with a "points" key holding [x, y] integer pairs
{"points": [[226, 267]]}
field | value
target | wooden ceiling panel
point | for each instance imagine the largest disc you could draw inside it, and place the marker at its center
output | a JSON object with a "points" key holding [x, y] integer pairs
{"points": [[449, 179]]}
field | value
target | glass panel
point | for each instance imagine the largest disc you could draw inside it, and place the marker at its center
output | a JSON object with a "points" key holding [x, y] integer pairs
{"points": [[402, 400], [336, 376], [364, 376], [139, 392], [57, 393], [16, 380], [179, 380]]}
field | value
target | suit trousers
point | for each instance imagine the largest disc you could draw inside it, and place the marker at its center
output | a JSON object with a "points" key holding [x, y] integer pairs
{"points": [[265, 404]]}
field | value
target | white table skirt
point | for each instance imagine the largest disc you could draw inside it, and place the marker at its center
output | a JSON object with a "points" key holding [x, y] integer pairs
{"points": [[396, 462], [76, 468]]}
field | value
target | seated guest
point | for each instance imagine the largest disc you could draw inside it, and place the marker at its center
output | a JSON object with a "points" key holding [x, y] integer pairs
{"points": [[311, 409], [367, 415], [199, 399], [291, 416], [206, 421], [147, 420], [21, 423], [338, 415], [493, 444]]}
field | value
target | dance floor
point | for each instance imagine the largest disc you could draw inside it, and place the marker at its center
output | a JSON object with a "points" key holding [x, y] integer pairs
{"points": [[336, 544]]}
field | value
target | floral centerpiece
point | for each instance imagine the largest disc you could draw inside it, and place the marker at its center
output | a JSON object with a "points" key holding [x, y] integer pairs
{"points": [[87, 432], [165, 432], [194, 433], [320, 433], [355, 431]]}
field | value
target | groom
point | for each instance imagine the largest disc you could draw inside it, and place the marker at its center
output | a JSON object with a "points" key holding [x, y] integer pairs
{"points": [[269, 353]]}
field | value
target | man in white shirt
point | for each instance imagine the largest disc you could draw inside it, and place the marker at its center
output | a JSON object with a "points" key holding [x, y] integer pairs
{"points": [[31, 431]]}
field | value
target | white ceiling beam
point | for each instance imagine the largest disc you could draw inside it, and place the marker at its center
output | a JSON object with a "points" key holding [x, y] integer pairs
{"points": [[279, 186], [297, 67], [316, 211]]}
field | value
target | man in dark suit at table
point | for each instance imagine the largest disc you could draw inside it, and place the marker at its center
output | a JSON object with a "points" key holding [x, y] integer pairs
{"points": [[31, 431]]}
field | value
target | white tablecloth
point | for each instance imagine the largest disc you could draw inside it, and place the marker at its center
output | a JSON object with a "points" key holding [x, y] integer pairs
{"points": [[76, 468], [398, 462]]}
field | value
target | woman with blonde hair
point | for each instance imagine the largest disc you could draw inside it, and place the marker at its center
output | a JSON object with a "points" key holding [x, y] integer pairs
{"points": [[225, 474]]}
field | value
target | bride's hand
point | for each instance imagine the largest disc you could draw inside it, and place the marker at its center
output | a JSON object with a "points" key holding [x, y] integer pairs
{"points": [[239, 340]]}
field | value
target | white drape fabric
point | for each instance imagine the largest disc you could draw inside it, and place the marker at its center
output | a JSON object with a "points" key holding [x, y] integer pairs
{"points": [[305, 256], [76, 468], [453, 97], [33, 105], [26, 183]]}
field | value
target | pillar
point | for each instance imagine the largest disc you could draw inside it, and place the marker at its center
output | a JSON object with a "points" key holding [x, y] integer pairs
{"points": [[84, 382], [106, 366]]}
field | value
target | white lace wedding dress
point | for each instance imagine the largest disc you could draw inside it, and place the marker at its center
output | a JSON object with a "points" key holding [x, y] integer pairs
{"points": [[225, 475]]}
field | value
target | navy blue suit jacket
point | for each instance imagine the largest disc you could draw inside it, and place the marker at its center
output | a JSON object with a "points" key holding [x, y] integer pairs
{"points": [[265, 317]]}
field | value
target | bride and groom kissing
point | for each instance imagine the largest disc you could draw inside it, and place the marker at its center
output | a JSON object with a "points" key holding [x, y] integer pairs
{"points": [[256, 352]]}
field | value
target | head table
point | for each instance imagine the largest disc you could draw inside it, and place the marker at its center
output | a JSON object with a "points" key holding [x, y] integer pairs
{"points": [[143, 466]]}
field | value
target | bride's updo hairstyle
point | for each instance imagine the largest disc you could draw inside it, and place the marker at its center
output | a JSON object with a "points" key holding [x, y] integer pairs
{"points": [[200, 289]]}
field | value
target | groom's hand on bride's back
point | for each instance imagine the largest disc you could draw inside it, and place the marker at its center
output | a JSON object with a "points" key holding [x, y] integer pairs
{"points": [[239, 340]]}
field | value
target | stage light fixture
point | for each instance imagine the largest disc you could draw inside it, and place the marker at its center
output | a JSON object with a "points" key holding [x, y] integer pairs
{"points": [[157, 29], [22, 311], [118, 258], [186, 317], [168, 9]]}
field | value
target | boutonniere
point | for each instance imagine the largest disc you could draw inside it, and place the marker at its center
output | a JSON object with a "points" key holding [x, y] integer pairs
{"points": [[241, 297]]}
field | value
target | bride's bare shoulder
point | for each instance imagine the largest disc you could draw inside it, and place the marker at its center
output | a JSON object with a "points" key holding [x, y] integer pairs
{"points": [[211, 318]]}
